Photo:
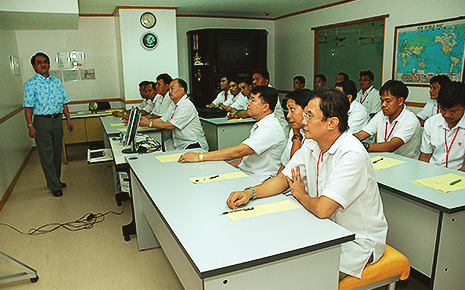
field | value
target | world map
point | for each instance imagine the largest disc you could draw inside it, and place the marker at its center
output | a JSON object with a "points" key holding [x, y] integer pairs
{"points": [[426, 51]]}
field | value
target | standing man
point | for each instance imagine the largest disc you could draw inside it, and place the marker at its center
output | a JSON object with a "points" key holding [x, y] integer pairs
{"points": [[368, 95], [46, 99]]}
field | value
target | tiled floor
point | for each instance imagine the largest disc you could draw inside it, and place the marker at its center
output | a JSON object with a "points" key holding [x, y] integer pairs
{"points": [[97, 258]]}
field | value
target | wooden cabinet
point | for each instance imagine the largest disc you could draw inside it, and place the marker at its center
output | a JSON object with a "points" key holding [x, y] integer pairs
{"points": [[214, 53], [86, 129]]}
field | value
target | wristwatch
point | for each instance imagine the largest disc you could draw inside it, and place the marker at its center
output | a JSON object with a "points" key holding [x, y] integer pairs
{"points": [[253, 190], [150, 124], [29, 125], [201, 157]]}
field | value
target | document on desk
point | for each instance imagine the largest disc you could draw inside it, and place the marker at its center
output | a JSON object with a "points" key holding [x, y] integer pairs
{"points": [[117, 124], [125, 129], [380, 162], [445, 183], [263, 209], [169, 158], [217, 177], [235, 120]]}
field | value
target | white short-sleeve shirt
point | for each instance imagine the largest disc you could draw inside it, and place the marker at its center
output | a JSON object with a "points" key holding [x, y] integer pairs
{"points": [[346, 175], [406, 127], [267, 141], [238, 102], [144, 104], [222, 97], [162, 104], [430, 109], [434, 139], [370, 99], [358, 117], [287, 151], [188, 129]]}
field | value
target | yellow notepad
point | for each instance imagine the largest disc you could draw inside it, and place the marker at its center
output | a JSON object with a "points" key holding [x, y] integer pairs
{"points": [[117, 124], [263, 209], [445, 183], [169, 158], [113, 110], [216, 177], [235, 120], [380, 162], [125, 129]]}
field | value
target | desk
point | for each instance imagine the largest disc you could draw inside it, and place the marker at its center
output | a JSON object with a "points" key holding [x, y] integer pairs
{"points": [[426, 225], [221, 133], [288, 250], [110, 131]]}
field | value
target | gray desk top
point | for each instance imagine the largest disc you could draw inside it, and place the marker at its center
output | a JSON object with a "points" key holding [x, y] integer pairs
{"points": [[215, 244], [225, 121], [399, 179], [112, 131]]}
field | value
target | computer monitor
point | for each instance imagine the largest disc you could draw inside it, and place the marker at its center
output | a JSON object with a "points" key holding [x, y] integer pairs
{"points": [[130, 136]]}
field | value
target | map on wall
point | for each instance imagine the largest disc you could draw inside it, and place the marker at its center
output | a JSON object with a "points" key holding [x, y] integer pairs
{"points": [[425, 50]]}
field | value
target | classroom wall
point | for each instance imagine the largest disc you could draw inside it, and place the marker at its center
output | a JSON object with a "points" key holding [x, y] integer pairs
{"points": [[185, 24], [294, 37], [14, 140]]}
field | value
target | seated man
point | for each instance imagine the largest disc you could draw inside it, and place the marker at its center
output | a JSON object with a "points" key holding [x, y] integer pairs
{"points": [[183, 121], [442, 141], [298, 82], [358, 116], [342, 76], [431, 108], [163, 102], [237, 101], [368, 95], [150, 94], [123, 113], [223, 95], [258, 155], [319, 81], [340, 181], [246, 89], [396, 127]]}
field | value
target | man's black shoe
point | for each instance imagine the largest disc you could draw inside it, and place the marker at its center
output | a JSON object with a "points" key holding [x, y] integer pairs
{"points": [[57, 193]]}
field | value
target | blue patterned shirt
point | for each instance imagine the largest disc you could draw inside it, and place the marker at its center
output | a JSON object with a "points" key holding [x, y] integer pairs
{"points": [[45, 95]]}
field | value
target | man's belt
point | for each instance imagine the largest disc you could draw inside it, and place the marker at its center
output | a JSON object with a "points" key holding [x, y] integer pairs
{"points": [[53, 116]]}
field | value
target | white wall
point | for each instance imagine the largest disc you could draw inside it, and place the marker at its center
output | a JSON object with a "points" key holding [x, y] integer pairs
{"points": [[96, 38], [191, 23], [294, 38], [138, 63], [14, 141]]}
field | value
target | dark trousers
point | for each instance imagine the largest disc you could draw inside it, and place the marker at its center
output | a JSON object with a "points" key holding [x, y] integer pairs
{"points": [[49, 141]]}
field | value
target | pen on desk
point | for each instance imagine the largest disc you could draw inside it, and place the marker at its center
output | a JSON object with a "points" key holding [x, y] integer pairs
{"points": [[455, 182], [241, 209], [207, 178], [377, 160]]}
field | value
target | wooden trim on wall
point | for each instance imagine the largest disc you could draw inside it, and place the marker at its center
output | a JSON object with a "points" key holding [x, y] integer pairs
{"points": [[10, 115], [225, 17], [314, 9], [10, 188], [132, 101], [97, 100], [351, 22], [142, 7], [415, 104]]}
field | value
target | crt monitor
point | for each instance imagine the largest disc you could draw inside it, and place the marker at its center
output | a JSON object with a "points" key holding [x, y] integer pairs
{"points": [[130, 137]]}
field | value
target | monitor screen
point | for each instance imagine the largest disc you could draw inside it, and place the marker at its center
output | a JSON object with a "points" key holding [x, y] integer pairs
{"points": [[130, 137]]}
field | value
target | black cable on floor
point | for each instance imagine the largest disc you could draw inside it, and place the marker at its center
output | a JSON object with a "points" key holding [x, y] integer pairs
{"points": [[85, 222]]}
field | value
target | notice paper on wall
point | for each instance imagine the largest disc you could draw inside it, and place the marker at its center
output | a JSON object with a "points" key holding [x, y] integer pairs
{"points": [[445, 183], [380, 162], [263, 209]]}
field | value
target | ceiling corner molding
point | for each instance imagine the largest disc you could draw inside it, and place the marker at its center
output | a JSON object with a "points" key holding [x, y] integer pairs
{"points": [[314, 9], [115, 12]]}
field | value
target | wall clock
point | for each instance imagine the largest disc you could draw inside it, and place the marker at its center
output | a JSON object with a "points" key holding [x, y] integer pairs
{"points": [[149, 41], [148, 20]]}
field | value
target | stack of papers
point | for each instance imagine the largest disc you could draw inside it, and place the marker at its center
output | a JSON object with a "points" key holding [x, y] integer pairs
{"points": [[263, 209], [445, 183], [169, 158], [380, 162], [217, 177]]}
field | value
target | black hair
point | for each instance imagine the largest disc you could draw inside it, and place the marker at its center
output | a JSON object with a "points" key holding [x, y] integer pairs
{"points": [[33, 58], [396, 88], [367, 73], [247, 81], [334, 103], [267, 94], [301, 79], [442, 80], [321, 76], [263, 72], [182, 83], [301, 96], [451, 95], [349, 88], [346, 76], [153, 84], [166, 78], [143, 84]]}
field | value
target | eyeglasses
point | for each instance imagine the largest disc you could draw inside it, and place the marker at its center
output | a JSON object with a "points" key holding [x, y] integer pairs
{"points": [[308, 117]]}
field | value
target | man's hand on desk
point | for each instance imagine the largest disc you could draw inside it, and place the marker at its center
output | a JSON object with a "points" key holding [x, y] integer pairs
{"points": [[190, 157], [238, 198]]}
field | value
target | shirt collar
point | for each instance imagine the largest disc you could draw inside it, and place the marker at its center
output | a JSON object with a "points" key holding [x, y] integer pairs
{"points": [[386, 118], [315, 148], [444, 124], [263, 120]]}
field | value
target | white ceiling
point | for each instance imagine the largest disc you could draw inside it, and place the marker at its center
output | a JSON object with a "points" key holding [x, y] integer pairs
{"points": [[234, 8]]}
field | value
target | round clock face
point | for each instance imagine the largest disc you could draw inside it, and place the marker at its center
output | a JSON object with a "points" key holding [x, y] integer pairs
{"points": [[149, 41], [148, 20]]}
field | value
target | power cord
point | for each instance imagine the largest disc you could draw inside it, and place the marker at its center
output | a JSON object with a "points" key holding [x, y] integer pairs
{"points": [[85, 222]]}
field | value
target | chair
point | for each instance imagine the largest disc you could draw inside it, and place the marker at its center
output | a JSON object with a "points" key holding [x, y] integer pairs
{"points": [[392, 266]]}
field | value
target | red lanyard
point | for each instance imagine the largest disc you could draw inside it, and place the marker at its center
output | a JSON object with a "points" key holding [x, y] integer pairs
{"points": [[225, 96], [175, 107], [385, 132], [448, 148], [364, 96], [318, 172]]}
